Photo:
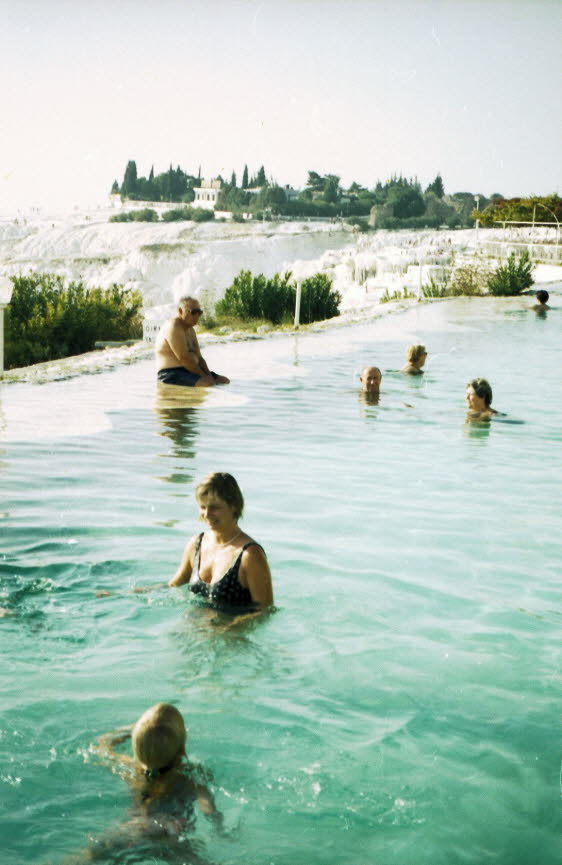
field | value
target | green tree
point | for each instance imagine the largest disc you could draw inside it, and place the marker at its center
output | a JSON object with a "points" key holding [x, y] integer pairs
{"points": [[437, 187], [356, 189], [331, 189], [129, 185], [273, 197], [406, 201], [115, 188], [261, 179], [315, 181], [245, 178], [233, 180]]}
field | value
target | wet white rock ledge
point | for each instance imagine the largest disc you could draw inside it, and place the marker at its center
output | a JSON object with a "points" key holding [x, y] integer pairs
{"points": [[103, 360]]}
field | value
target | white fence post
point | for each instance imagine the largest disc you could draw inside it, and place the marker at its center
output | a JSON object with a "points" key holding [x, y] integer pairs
{"points": [[420, 280], [298, 305]]}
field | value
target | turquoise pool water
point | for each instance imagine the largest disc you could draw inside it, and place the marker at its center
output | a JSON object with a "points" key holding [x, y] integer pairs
{"points": [[402, 705]]}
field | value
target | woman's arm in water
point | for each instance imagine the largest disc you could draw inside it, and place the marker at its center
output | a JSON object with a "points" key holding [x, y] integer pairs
{"points": [[104, 747], [183, 573]]}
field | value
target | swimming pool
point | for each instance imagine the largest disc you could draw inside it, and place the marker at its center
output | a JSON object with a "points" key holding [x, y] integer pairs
{"points": [[402, 705]]}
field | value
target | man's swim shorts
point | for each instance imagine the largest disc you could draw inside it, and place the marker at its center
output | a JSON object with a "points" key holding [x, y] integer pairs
{"points": [[180, 375]]}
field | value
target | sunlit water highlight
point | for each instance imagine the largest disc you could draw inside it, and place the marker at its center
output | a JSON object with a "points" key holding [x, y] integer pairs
{"points": [[402, 705]]}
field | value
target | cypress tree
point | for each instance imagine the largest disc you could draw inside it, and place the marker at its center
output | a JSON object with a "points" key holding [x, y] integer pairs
{"points": [[245, 178], [129, 186], [437, 187]]}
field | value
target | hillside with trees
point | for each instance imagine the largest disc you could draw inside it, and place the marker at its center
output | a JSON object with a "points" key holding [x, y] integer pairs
{"points": [[400, 202]]}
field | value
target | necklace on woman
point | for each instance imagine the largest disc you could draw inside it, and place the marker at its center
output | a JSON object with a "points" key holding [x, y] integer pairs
{"points": [[229, 541]]}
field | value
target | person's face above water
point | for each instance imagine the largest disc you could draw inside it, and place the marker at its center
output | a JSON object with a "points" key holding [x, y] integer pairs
{"points": [[191, 313], [371, 379], [217, 513], [474, 402]]}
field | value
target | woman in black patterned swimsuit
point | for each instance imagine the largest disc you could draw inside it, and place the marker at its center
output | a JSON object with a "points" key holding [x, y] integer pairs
{"points": [[224, 565]]}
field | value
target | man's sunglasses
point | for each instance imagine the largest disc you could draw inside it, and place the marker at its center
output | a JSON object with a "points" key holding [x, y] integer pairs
{"points": [[196, 311]]}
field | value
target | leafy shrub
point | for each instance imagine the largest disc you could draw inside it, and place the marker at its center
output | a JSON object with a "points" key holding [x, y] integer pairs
{"points": [[358, 223], [47, 320], [241, 298], [278, 298], [193, 214], [201, 214], [145, 215], [253, 297], [318, 299], [177, 214], [470, 280], [512, 278]]}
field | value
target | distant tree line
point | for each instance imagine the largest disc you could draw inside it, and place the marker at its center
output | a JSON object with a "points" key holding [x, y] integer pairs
{"points": [[400, 202], [174, 184]]}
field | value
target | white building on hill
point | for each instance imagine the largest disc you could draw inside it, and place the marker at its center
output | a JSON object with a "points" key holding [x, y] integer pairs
{"points": [[207, 194]]}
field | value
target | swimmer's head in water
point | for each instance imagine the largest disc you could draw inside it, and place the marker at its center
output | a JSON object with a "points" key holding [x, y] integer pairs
{"points": [[159, 737], [415, 353], [481, 388], [542, 296], [370, 379], [224, 486]]}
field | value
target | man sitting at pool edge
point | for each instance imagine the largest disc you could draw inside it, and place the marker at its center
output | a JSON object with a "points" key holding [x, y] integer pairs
{"points": [[178, 357]]}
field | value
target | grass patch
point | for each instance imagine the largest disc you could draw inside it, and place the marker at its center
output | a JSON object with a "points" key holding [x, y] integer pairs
{"points": [[397, 295], [212, 323], [159, 248]]}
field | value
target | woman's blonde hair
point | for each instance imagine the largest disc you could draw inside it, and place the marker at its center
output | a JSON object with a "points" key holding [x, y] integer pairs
{"points": [[224, 486], [414, 353], [159, 736]]}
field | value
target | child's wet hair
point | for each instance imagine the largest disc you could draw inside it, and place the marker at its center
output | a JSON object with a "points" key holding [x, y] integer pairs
{"points": [[159, 736]]}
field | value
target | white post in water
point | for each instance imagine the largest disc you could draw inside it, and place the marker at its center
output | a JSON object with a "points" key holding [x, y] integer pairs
{"points": [[298, 305], [6, 289], [477, 198]]}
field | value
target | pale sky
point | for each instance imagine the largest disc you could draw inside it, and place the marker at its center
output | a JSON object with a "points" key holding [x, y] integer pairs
{"points": [[358, 88]]}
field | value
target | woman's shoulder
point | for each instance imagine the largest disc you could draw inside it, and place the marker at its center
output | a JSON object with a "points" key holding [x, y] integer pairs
{"points": [[251, 547], [193, 545]]}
